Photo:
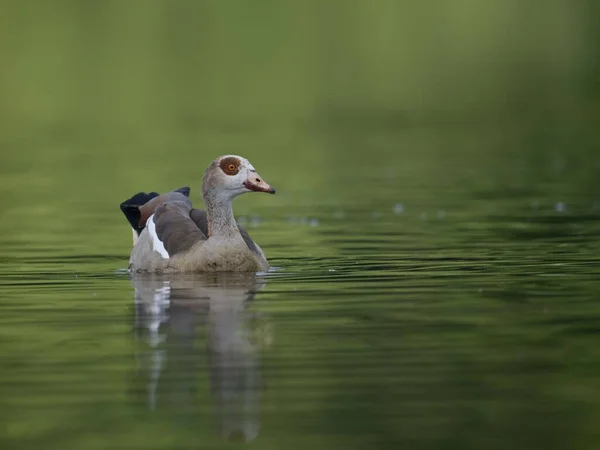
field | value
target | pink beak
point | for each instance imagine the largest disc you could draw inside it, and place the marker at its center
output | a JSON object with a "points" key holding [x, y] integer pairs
{"points": [[257, 184]]}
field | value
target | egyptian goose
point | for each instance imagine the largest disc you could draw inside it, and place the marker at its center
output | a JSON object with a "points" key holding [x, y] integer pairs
{"points": [[171, 236]]}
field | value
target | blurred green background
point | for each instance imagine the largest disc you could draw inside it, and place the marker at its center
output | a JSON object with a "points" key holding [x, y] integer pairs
{"points": [[182, 65]]}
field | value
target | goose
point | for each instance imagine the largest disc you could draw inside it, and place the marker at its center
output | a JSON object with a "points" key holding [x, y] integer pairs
{"points": [[171, 236]]}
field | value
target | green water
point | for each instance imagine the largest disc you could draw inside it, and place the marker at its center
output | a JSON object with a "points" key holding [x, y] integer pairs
{"points": [[434, 236]]}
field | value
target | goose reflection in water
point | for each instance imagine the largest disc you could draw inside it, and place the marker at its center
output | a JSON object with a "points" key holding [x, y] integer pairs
{"points": [[185, 322]]}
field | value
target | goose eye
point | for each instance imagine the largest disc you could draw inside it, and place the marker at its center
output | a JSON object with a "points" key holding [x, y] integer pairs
{"points": [[230, 165]]}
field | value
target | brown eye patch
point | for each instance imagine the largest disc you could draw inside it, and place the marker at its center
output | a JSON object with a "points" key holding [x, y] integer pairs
{"points": [[230, 165]]}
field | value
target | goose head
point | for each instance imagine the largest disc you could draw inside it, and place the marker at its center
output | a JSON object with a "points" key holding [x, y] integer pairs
{"points": [[232, 175]]}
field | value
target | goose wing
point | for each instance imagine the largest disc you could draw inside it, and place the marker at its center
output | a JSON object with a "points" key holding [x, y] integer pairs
{"points": [[172, 230], [141, 206]]}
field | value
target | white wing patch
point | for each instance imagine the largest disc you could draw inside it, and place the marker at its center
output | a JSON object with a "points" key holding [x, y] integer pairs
{"points": [[157, 244]]}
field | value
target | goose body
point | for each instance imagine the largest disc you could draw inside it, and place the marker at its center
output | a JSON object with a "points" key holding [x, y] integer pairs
{"points": [[172, 236]]}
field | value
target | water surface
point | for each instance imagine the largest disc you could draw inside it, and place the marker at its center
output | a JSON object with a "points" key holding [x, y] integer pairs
{"points": [[458, 313]]}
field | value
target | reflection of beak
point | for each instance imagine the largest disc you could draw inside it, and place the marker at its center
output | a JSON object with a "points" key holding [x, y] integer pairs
{"points": [[255, 183]]}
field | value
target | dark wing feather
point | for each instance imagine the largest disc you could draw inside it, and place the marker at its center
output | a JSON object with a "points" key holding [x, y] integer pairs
{"points": [[200, 218], [131, 207], [174, 227], [148, 209], [183, 190]]}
